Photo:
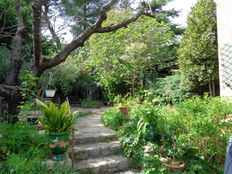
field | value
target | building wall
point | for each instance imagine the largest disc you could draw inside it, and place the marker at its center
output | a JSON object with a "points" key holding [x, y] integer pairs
{"points": [[224, 22]]}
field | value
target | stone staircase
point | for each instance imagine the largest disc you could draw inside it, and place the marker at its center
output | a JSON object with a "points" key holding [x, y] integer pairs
{"points": [[96, 149]]}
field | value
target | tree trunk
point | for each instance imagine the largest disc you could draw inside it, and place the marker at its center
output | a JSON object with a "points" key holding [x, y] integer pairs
{"points": [[210, 89], [9, 90], [213, 88]]}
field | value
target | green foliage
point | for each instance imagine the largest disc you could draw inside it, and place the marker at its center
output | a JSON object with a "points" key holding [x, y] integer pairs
{"points": [[132, 146], [200, 132], [167, 90], [56, 119], [68, 76], [195, 131], [151, 124], [198, 53], [116, 58], [22, 138], [131, 141], [24, 150], [19, 163], [114, 119], [84, 12], [28, 85]]}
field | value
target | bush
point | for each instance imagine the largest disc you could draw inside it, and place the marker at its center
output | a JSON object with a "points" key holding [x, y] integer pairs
{"points": [[195, 131], [20, 138], [200, 131], [24, 150], [114, 119], [167, 90]]}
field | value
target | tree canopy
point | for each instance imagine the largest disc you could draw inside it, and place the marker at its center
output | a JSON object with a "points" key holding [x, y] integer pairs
{"points": [[198, 53], [129, 54]]}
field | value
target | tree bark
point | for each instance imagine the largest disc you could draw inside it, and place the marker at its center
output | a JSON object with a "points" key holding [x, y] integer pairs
{"points": [[213, 88], [9, 89], [210, 89]]}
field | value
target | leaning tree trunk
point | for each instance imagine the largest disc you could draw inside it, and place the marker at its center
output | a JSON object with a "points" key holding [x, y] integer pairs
{"points": [[9, 90]]}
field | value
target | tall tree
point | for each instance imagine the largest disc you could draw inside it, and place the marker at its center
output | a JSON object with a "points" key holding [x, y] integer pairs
{"points": [[83, 12], [198, 57], [9, 89], [127, 56]]}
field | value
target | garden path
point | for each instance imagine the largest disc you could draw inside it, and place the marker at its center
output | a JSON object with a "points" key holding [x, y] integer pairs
{"points": [[96, 148]]}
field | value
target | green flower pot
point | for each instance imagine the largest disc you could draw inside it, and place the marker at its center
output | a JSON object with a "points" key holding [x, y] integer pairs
{"points": [[59, 145]]}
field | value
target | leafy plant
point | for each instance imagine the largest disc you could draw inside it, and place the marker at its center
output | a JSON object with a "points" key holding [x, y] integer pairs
{"points": [[28, 84], [114, 119], [20, 138], [167, 90], [152, 123], [198, 57], [56, 119]]}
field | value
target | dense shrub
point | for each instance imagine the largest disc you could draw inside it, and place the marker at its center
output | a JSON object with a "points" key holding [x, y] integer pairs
{"points": [[195, 131], [20, 138], [114, 119], [199, 124], [24, 150], [167, 90]]}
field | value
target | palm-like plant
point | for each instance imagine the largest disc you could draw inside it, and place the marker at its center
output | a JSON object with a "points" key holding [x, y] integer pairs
{"points": [[56, 119]]}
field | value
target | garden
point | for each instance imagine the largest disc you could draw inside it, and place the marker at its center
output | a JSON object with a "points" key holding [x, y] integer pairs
{"points": [[157, 81]]}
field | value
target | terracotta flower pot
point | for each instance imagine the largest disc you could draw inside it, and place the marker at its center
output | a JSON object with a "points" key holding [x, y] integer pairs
{"points": [[59, 145], [174, 167], [124, 109]]}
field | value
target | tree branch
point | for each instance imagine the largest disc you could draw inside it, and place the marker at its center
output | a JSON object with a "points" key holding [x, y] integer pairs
{"points": [[36, 11], [50, 27], [117, 26], [79, 41]]}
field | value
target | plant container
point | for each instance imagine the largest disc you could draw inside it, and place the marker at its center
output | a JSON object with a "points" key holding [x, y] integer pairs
{"points": [[50, 93], [124, 110], [174, 167], [59, 143]]}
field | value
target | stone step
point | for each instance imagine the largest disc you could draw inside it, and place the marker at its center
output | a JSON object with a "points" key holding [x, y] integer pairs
{"points": [[94, 138], [129, 172], [105, 165], [86, 151]]}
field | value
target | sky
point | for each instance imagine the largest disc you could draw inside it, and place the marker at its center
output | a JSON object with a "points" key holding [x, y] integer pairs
{"points": [[181, 5]]}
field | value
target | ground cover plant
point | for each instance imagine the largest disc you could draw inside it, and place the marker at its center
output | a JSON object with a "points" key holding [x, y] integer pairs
{"points": [[194, 131], [24, 150]]}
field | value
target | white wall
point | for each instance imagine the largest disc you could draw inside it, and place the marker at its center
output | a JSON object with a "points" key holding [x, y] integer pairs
{"points": [[224, 22]]}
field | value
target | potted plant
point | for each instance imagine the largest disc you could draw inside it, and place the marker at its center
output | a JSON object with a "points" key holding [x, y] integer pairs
{"points": [[123, 108], [50, 91], [174, 162], [58, 122]]}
